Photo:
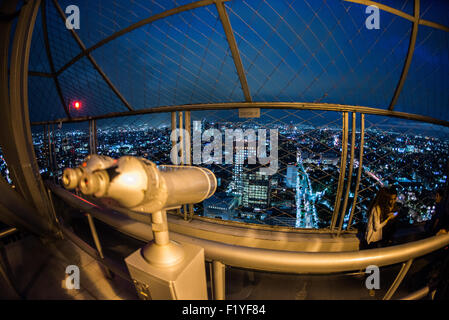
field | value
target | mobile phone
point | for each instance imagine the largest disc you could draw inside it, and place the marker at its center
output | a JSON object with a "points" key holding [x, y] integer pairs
{"points": [[395, 213]]}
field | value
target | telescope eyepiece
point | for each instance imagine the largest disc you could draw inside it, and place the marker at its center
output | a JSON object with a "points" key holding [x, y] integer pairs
{"points": [[94, 183], [70, 178]]}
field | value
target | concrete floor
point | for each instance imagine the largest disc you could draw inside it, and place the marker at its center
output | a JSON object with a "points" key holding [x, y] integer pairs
{"points": [[39, 273]]}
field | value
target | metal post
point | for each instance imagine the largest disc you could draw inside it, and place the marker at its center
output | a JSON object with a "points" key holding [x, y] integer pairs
{"points": [[188, 152], [188, 139], [408, 59], [181, 138], [341, 178], [8, 232], [174, 144], [92, 137], [53, 153], [182, 153], [211, 278], [359, 172], [94, 233], [51, 162], [47, 147], [218, 285], [351, 167], [401, 275], [55, 216], [173, 126]]}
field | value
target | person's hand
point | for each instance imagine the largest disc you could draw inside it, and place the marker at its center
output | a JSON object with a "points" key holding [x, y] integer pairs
{"points": [[442, 231], [391, 216]]}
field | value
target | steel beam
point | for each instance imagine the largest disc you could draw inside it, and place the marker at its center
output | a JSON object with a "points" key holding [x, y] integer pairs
{"points": [[92, 60], [433, 25], [15, 132], [50, 58], [399, 278], [7, 8], [401, 14], [164, 14], [234, 49], [40, 74], [408, 60]]}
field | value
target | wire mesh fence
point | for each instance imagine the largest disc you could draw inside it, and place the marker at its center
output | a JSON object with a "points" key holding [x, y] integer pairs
{"points": [[4, 171], [146, 136], [300, 192], [181, 59], [317, 51], [60, 146], [409, 155]]}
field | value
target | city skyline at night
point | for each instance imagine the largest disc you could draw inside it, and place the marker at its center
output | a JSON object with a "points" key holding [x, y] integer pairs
{"points": [[303, 197]]}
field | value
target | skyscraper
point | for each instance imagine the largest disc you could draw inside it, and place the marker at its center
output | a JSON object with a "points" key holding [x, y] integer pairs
{"points": [[256, 190]]}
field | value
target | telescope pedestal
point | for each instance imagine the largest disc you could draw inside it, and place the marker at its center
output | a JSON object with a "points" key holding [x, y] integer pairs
{"points": [[185, 280], [167, 270]]}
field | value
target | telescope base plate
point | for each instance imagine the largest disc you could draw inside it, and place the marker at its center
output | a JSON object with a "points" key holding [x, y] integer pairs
{"points": [[163, 255]]}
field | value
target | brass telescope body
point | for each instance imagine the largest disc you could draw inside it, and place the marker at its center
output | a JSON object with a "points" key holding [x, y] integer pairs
{"points": [[138, 184]]}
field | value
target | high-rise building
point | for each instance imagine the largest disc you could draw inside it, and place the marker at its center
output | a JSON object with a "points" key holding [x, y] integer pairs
{"points": [[256, 190], [240, 156], [292, 173]]}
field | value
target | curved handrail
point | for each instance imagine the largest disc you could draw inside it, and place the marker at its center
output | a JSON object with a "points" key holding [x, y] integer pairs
{"points": [[261, 105], [265, 259]]}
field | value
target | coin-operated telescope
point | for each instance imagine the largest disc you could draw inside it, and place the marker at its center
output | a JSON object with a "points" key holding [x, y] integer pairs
{"points": [[72, 177], [139, 185]]}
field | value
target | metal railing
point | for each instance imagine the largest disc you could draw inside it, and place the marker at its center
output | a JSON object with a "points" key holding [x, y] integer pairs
{"points": [[221, 254]]}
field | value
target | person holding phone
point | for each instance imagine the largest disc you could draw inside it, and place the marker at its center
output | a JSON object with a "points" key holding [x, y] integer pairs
{"points": [[440, 219], [382, 211]]}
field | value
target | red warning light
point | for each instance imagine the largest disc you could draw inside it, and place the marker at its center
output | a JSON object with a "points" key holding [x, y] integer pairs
{"points": [[77, 104]]}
